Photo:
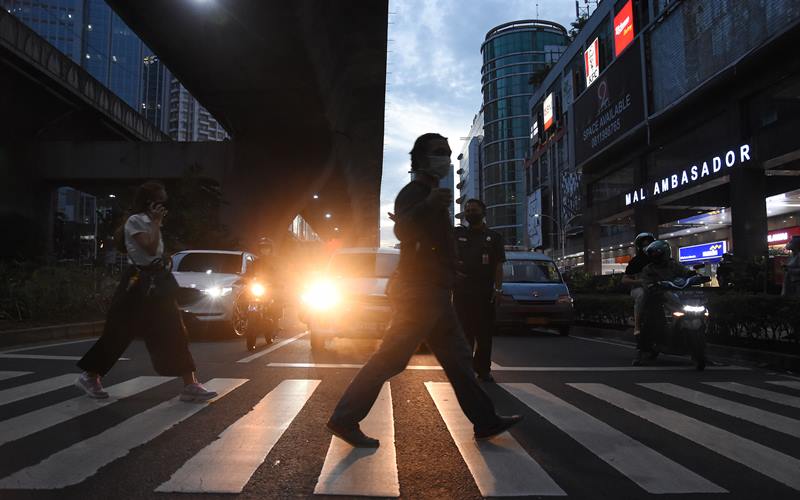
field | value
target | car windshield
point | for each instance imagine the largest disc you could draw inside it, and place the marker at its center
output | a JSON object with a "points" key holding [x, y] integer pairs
{"points": [[223, 263], [530, 271], [363, 265]]}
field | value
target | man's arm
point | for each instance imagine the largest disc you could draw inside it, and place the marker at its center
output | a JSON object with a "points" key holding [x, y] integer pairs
{"points": [[500, 258], [415, 210]]}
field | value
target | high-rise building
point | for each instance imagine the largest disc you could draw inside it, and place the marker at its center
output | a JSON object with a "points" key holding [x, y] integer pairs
{"points": [[156, 80], [188, 120], [60, 22], [469, 171], [513, 53]]}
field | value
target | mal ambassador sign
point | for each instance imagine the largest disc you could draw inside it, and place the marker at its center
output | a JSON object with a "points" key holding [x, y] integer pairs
{"points": [[612, 106]]}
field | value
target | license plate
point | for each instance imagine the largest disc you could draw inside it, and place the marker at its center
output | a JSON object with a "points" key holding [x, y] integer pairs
{"points": [[536, 321]]}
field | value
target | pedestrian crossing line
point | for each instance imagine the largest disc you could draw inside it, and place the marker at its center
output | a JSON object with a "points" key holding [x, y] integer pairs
{"points": [[771, 463], [8, 375], [791, 384], [751, 414], [651, 470], [755, 392], [82, 460], [36, 388], [43, 418], [46, 357], [275, 347], [361, 471], [227, 464], [500, 467]]}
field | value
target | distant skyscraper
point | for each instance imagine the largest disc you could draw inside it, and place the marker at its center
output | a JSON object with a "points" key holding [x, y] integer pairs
{"points": [[188, 120], [156, 79]]}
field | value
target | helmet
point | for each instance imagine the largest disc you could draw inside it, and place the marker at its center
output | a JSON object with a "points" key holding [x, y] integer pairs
{"points": [[659, 251], [641, 240]]}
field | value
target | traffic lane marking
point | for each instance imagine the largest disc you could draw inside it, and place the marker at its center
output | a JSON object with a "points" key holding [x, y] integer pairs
{"points": [[522, 368], [277, 346]]}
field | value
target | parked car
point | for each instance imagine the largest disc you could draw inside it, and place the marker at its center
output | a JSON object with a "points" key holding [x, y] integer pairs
{"points": [[534, 294], [211, 285], [349, 299]]}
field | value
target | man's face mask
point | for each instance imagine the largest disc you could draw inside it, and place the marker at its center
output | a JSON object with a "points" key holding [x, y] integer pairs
{"points": [[438, 166]]}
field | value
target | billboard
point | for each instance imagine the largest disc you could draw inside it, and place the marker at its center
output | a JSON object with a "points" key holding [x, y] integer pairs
{"points": [[611, 107], [591, 59], [707, 252], [535, 223], [548, 111], [623, 28]]}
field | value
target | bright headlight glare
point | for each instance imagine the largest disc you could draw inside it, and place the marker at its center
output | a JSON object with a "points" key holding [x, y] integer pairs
{"points": [[678, 314], [216, 292], [322, 296], [257, 289], [694, 309]]}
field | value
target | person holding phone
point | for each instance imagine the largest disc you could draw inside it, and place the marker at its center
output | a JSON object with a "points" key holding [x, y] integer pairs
{"points": [[144, 304]]}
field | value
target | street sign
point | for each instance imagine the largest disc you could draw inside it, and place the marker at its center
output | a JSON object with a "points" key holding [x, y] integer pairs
{"points": [[592, 61], [707, 252]]}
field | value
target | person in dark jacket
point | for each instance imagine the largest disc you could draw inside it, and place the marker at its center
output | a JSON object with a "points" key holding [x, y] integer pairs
{"points": [[422, 310]]}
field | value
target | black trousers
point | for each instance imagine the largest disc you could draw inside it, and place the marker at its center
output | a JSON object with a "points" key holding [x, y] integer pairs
{"points": [[420, 313], [476, 314], [156, 320]]}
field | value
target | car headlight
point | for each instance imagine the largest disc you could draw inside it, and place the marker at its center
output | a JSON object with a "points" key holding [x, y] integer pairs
{"points": [[322, 296], [257, 289], [216, 292], [694, 309]]}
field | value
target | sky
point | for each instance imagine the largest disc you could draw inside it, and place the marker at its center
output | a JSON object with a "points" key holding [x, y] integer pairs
{"points": [[434, 75]]}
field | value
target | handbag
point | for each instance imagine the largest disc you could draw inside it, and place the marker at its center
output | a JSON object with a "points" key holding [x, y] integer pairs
{"points": [[157, 279]]}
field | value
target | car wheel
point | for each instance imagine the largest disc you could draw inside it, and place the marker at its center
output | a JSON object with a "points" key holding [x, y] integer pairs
{"points": [[317, 342], [564, 331], [239, 320]]}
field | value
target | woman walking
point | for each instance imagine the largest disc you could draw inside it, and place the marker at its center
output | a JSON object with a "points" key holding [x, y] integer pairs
{"points": [[144, 303]]}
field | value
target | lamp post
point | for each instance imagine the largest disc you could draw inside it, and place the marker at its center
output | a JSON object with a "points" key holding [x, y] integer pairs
{"points": [[561, 233]]}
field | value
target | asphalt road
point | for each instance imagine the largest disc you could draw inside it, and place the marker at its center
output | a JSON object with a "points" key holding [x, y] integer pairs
{"points": [[594, 427]]}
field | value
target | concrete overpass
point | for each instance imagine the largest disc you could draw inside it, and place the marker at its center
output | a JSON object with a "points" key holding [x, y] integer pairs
{"points": [[299, 86]]}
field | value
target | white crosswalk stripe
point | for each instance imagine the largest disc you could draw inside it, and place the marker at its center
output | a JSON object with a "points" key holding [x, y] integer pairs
{"points": [[500, 467], [5, 375], [83, 459], [791, 384], [359, 471], [36, 388], [649, 469], [752, 414], [756, 392], [43, 418], [769, 462], [226, 465]]}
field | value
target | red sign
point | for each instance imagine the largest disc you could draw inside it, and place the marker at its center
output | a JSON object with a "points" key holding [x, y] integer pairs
{"points": [[591, 59], [547, 108], [623, 28], [782, 236]]}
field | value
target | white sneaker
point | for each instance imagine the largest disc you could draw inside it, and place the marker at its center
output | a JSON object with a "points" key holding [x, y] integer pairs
{"points": [[91, 386], [196, 393]]}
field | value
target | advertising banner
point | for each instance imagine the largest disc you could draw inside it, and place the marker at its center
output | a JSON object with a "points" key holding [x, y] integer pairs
{"points": [[623, 28], [780, 237], [535, 223], [547, 111], [591, 59], [611, 107], [707, 252]]}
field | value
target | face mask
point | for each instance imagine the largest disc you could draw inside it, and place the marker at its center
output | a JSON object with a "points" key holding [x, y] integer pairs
{"points": [[438, 166], [473, 219]]}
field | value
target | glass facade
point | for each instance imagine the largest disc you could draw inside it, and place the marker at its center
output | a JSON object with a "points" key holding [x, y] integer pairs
{"points": [[57, 21], [512, 54]]}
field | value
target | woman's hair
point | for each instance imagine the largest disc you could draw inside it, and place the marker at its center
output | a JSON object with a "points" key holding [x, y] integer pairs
{"points": [[145, 194], [421, 147]]}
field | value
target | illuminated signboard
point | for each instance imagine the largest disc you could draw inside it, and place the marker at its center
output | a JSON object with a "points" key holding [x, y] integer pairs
{"points": [[690, 175], [548, 111], [707, 252], [782, 236], [591, 59], [535, 127], [623, 28]]}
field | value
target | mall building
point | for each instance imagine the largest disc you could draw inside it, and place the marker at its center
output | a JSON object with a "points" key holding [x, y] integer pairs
{"points": [[677, 117]]}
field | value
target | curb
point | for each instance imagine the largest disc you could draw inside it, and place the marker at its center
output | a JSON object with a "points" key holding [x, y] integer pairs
{"points": [[10, 338], [762, 359]]}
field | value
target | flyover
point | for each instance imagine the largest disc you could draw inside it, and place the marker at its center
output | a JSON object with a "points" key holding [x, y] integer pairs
{"points": [[298, 85]]}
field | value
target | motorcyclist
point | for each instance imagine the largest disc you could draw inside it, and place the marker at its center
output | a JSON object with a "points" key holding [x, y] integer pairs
{"points": [[662, 267], [632, 277], [263, 272]]}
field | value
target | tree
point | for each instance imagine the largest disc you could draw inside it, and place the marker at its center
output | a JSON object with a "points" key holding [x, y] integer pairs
{"points": [[577, 26]]}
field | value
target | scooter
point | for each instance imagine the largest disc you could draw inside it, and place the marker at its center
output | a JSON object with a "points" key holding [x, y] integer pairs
{"points": [[263, 314], [678, 318]]}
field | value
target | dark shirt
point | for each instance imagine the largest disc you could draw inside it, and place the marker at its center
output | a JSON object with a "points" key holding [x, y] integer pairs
{"points": [[427, 251], [653, 273], [637, 264], [479, 252]]}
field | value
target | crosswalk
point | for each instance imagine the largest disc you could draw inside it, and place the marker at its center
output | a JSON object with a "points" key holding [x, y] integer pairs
{"points": [[576, 412]]}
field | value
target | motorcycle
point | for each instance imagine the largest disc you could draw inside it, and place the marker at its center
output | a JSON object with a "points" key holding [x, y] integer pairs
{"points": [[678, 318], [263, 314]]}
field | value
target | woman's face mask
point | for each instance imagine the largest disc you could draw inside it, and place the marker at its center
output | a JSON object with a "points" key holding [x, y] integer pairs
{"points": [[438, 166]]}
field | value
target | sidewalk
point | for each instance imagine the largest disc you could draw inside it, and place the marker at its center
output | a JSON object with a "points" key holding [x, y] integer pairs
{"points": [[763, 359]]}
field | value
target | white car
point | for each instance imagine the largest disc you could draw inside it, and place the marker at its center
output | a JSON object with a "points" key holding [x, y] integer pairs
{"points": [[211, 282], [350, 299]]}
